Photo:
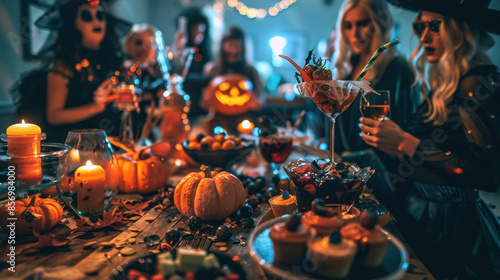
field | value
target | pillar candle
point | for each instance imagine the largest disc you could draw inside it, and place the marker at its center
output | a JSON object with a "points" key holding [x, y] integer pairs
{"points": [[23, 141], [90, 187]]}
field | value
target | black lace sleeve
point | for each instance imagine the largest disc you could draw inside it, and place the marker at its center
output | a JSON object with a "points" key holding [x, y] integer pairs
{"points": [[465, 151]]}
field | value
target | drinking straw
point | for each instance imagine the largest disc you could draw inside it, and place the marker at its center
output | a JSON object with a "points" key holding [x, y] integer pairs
{"points": [[375, 56]]}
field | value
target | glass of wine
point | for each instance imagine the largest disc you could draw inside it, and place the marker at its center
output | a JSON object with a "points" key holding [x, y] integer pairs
{"points": [[275, 148], [332, 98], [375, 105]]}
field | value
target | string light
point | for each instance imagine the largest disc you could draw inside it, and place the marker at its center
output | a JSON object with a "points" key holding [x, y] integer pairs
{"points": [[244, 10]]}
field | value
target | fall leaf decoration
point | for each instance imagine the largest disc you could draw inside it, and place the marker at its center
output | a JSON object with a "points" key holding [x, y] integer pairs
{"points": [[108, 219], [132, 207]]}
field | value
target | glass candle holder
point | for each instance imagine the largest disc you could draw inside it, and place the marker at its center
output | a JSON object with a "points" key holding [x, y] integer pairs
{"points": [[93, 171]]}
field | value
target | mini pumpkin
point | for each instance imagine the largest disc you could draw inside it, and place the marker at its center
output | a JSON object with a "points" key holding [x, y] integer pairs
{"points": [[231, 94], [142, 172], [39, 214], [209, 195]]}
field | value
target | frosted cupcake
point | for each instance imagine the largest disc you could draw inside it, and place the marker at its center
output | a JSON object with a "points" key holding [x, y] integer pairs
{"points": [[283, 204], [321, 219], [333, 255], [289, 241], [372, 241]]}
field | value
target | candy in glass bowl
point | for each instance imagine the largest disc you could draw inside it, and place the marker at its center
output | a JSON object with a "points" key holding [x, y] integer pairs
{"points": [[336, 184]]}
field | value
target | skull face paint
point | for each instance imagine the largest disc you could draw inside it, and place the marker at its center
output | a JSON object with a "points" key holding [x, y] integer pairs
{"points": [[91, 22]]}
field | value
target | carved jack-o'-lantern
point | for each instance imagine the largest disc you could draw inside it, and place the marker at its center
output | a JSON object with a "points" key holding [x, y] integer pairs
{"points": [[231, 94]]}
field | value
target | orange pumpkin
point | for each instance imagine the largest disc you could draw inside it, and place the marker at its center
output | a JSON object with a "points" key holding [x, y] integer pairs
{"points": [[142, 172], [209, 195], [230, 94], [41, 215]]}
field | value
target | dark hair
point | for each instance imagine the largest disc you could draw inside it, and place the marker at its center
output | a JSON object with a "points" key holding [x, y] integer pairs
{"points": [[195, 16], [232, 33], [68, 43]]}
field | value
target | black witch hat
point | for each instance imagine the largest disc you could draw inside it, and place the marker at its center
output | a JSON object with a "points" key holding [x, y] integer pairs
{"points": [[63, 12], [474, 12]]}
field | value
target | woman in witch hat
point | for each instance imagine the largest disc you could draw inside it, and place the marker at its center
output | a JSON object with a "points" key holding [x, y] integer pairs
{"points": [[85, 51], [450, 151]]}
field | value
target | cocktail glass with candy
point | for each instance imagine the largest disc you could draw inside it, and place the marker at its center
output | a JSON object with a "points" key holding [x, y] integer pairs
{"points": [[332, 97], [336, 184]]}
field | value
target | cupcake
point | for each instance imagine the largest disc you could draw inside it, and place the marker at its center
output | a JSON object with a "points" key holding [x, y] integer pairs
{"points": [[321, 219], [289, 241], [333, 255], [371, 240], [283, 204]]}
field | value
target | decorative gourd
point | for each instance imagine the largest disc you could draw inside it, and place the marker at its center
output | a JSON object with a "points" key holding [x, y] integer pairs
{"points": [[209, 195], [41, 215], [142, 172], [231, 94]]}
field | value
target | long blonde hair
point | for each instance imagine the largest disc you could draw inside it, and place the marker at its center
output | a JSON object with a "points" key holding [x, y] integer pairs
{"points": [[464, 46], [382, 22]]}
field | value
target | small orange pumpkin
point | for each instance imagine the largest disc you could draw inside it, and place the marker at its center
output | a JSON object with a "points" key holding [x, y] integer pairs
{"points": [[142, 172], [209, 195], [45, 212]]}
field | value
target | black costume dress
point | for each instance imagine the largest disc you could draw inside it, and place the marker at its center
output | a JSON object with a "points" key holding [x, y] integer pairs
{"points": [[83, 81], [454, 227]]}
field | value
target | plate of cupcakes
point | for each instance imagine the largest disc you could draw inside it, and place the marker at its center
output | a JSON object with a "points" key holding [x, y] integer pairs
{"points": [[288, 248]]}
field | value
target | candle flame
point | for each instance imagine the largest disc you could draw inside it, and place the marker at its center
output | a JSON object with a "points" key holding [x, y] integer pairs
{"points": [[89, 163], [22, 122], [245, 124]]}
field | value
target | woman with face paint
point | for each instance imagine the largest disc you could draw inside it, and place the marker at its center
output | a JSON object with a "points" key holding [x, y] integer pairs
{"points": [[449, 152], [86, 51]]}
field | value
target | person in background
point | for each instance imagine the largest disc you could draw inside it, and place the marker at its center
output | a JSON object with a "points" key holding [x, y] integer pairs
{"points": [[449, 150], [86, 51], [193, 31], [232, 61], [330, 44], [140, 46], [362, 27]]}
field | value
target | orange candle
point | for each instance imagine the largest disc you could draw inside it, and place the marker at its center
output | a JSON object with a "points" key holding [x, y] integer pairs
{"points": [[245, 127], [90, 187], [23, 141]]}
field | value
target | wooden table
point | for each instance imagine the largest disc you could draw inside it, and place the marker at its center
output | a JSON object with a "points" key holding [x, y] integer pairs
{"points": [[73, 261]]}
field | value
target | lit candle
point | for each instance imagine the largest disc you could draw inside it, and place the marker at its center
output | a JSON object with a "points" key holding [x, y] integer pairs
{"points": [[90, 184], [23, 141], [245, 127]]}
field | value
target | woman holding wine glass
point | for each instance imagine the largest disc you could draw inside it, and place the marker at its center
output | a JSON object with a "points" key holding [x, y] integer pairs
{"points": [[449, 151], [362, 27]]}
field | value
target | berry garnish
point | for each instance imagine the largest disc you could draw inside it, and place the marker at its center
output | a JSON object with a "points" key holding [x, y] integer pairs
{"points": [[335, 237], [368, 218], [293, 222], [319, 208], [286, 195]]}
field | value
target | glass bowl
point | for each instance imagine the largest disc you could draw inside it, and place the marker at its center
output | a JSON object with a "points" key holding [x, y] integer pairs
{"points": [[336, 184], [220, 158], [52, 160]]}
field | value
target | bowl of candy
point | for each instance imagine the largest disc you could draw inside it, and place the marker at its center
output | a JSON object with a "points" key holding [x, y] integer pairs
{"points": [[342, 183], [218, 151]]}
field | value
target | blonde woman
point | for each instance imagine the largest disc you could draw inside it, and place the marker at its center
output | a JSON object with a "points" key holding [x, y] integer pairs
{"points": [[450, 150], [362, 27]]}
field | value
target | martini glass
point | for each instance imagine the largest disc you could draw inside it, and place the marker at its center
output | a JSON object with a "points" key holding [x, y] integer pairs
{"points": [[333, 98]]}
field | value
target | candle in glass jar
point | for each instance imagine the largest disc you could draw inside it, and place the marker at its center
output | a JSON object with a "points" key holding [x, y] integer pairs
{"points": [[245, 127], [23, 141], [90, 187]]}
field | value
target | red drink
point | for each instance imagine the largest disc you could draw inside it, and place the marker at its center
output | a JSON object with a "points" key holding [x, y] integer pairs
{"points": [[275, 150], [376, 112]]}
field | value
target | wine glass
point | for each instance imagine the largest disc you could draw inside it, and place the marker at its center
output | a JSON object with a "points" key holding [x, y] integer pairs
{"points": [[332, 98], [375, 105], [275, 148]]}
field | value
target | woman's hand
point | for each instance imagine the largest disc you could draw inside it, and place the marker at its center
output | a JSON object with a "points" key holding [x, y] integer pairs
{"points": [[103, 96], [388, 137]]}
